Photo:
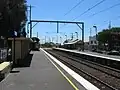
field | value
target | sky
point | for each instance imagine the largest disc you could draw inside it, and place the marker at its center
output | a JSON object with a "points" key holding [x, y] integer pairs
{"points": [[56, 10]]}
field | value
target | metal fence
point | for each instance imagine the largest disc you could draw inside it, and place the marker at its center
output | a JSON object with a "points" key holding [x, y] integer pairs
{"points": [[5, 54]]}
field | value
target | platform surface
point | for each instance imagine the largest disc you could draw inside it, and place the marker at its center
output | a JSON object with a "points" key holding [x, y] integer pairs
{"points": [[40, 75], [112, 57]]}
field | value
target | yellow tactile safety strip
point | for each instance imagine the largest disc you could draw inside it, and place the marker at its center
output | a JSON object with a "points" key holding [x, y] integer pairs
{"points": [[63, 74]]}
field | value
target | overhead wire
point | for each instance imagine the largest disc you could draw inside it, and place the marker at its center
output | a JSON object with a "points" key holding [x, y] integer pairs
{"points": [[104, 10], [89, 9], [106, 22], [74, 7]]}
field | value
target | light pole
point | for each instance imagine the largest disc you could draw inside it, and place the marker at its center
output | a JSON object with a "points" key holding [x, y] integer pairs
{"points": [[72, 36], [95, 29], [76, 34], [28, 29], [37, 34], [96, 36], [57, 38], [90, 32], [49, 40], [30, 21], [45, 39], [66, 37], [30, 18], [52, 39], [61, 40]]}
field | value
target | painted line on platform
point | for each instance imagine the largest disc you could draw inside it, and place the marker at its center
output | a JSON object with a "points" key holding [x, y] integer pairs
{"points": [[76, 76], [63, 74]]}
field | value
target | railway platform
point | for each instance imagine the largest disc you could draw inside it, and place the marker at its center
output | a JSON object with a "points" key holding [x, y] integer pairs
{"points": [[89, 53], [41, 73]]}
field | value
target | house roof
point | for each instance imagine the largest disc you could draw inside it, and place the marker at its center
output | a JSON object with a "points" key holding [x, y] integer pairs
{"points": [[73, 42]]}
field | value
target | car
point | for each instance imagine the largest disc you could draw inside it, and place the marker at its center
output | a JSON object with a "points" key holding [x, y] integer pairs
{"points": [[94, 50], [113, 52]]}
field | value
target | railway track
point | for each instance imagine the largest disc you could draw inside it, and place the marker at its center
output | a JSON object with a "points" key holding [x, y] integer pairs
{"points": [[105, 69], [101, 76]]}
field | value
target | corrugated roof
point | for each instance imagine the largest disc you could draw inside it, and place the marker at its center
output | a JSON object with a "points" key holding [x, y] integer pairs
{"points": [[73, 41]]}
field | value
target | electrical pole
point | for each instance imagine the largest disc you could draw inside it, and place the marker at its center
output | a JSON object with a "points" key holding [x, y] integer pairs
{"points": [[109, 25], [83, 36], [57, 27], [37, 34], [66, 37], [49, 40], [90, 32], [72, 36], [45, 39], [76, 34], [30, 22], [30, 18], [96, 36], [61, 40], [57, 39], [52, 39], [27, 29]]}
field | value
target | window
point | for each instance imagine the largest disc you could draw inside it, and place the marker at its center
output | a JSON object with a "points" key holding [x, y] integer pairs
{"points": [[91, 42], [95, 42]]}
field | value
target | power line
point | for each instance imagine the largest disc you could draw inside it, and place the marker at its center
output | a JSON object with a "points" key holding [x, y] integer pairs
{"points": [[74, 7], [104, 10], [106, 22], [89, 9]]}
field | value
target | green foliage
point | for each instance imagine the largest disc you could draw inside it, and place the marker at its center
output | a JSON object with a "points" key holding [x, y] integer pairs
{"points": [[35, 39], [104, 36], [110, 37], [12, 15], [48, 45]]}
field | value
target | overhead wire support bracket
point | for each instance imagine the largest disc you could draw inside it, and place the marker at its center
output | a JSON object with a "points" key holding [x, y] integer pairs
{"points": [[35, 24], [79, 26], [57, 22]]}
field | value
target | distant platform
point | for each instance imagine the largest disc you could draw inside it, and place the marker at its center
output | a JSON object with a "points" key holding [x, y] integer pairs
{"points": [[111, 57]]}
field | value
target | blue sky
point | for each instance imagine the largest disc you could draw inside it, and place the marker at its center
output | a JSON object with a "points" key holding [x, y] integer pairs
{"points": [[56, 9]]}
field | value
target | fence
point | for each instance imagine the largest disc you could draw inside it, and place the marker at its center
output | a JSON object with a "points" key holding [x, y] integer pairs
{"points": [[4, 54]]}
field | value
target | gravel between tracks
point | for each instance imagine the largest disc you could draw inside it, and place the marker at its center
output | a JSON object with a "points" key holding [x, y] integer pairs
{"points": [[115, 82]]}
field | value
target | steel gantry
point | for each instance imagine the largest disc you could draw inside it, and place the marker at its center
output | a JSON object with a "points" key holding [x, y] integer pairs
{"points": [[79, 24]]}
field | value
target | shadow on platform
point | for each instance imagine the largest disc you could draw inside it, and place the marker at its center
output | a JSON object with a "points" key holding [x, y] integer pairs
{"points": [[25, 62], [22, 63], [35, 50], [14, 71]]}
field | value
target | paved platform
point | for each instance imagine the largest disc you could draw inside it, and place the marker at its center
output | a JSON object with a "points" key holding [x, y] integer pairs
{"points": [[111, 57], [39, 74], [105, 55]]}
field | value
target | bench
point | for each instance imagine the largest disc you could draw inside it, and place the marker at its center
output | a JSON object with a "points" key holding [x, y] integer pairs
{"points": [[5, 68]]}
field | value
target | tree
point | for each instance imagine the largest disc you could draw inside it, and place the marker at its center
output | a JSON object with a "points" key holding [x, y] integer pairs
{"points": [[12, 16], [103, 36], [110, 37], [35, 39]]}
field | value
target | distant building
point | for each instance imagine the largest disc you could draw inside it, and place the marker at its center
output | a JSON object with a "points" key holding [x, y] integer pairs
{"points": [[93, 43], [73, 44], [86, 45], [115, 41]]}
